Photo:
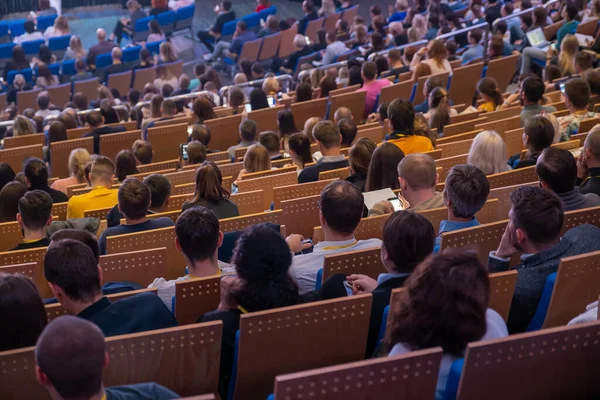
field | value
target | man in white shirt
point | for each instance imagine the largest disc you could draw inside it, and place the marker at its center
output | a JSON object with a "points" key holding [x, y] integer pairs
{"points": [[30, 34], [341, 208], [198, 238], [334, 48]]}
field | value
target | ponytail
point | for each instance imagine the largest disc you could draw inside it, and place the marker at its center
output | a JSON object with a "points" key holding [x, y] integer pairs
{"points": [[498, 98], [209, 184], [440, 109]]}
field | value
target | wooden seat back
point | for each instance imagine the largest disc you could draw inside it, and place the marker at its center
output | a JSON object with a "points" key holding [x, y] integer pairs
{"points": [[10, 235], [287, 41], [241, 223], [297, 191], [141, 267], [376, 134], [250, 50], [228, 128], [120, 81], [219, 156], [25, 140], [301, 215], [502, 70], [306, 109], [158, 166], [419, 96], [464, 83], [368, 228], [181, 177], [270, 46], [100, 213], [501, 125], [27, 99], [514, 177], [401, 90], [514, 141], [173, 121], [249, 203], [340, 173], [166, 139], [490, 212], [267, 184], [196, 297], [462, 127], [582, 216], [447, 163], [455, 148], [502, 288], [60, 210], [17, 155], [366, 262], [143, 76], [111, 145], [312, 27], [265, 119], [77, 133], [503, 114], [317, 344], [89, 88], [269, 172], [587, 124], [503, 196], [29, 263], [61, 151], [484, 238], [354, 101]]}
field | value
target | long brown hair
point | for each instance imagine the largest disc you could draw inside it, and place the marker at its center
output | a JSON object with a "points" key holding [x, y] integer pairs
{"points": [[489, 87], [439, 109], [383, 169], [257, 159], [209, 183], [437, 51]]}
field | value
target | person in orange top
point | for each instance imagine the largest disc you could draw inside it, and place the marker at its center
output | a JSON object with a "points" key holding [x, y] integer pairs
{"points": [[401, 115]]}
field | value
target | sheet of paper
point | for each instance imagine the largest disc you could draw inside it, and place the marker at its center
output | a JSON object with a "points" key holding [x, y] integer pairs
{"points": [[377, 195]]}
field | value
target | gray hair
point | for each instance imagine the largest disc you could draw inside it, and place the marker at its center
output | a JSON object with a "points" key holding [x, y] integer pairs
{"points": [[466, 190], [488, 153]]}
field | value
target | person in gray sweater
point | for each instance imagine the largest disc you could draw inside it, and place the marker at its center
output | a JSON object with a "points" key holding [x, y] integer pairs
{"points": [[535, 222], [557, 170]]}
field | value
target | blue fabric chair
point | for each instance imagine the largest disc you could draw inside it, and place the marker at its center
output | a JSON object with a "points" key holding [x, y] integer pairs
{"points": [[103, 60], [27, 74], [383, 326], [184, 18], [252, 20], [6, 50], [3, 29], [45, 21], [454, 379], [234, 369], [154, 47], [54, 69], [68, 68], [414, 92], [166, 21], [131, 54], [229, 28], [266, 12], [58, 45], [32, 46], [141, 30], [16, 27], [542, 309], [319, 279]]}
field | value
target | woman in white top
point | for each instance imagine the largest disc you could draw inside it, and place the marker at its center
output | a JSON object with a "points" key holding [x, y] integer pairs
{"points": [[156, 34], [457, 315], [75, 49], [488, 153], [440, 111], [60, 28], [437, 58], [163, 77]]}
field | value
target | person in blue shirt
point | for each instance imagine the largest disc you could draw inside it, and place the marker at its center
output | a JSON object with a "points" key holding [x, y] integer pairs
{"points": [[434, 26], [569, 13], [465, 192], [398, 11], [233, 49], [475, 49], [71, 356]]}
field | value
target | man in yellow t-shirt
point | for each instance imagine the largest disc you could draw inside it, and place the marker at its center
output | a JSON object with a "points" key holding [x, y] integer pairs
{"points": [[401, 115], [101, 196]]}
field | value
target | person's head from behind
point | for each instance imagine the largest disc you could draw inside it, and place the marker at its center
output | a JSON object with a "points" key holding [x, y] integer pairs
{"points": [[22, 311], [303, 92], [270, 140], [236, 98], [286, 123], [383, 169], [342, 113], [29, 26], [557, 170], [416, 173], [102, 172], [160, 191], [257, 159], [488, 153], [348, 130], [340, 208], [198, 235], [201, 133], [142, 151], [327, 135], [70, 356], [196, 153], [262, 260], [36, 173], [401, 115], [466, 191], [570, 11], [532, 90], [6, 174], [248, 131], [583, 62], [35, 213], [258, 100], [43, 100], [591, 149], [576, 95], [552, 73], [360, 155], [203, 109], [369, 71], [73, 274], [168, 108], [407, 240], [592, 78], [125, 164], [134, 199], [209, 184], [299, 145], [309, 126], [94, 119], [452, 319], [489, 92], [495, 47], [539, 134]]}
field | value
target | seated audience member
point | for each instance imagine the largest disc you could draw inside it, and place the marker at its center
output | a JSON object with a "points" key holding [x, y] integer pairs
{"points": [[328, 138], [117, 65], [557, 170], [348, 130], [234, 49], [164, 77], [299, 147], [75, 278], [209, 193], [431, 83], [224, 14], [142, 151], [19, 85], [145, 60], [95, 121], [70, 358], [334, 48], [359, 159], [202, 134], [36, 178], [183, 87], [128, 24], [102, 47], [592, 78], [286, 128], [401, 115], [396, 65], [270, 140], [407, 241], [256, 159], [203, 109], [134, 200], [342, 113], [460, 314], [440, 111], [538, 136], [168, 109], [34, 217], [43, 102], [465, 193], [198, 238], [489, 92], [383, 169], [535, 222], [7, 174], [22, 311], [437, 58], [29, 35], [77, 160], [310, 13], [81, 73], [371, 85], [10, 195], [418, 178], [577, 96], [532, 92], [101, 196], [488, 153], [475, 50], [125, 165], [196, 153], [340, 210], [588, 164]]}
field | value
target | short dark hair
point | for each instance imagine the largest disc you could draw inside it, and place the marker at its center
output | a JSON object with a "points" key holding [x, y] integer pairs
{"points": [[29, 26], [94, 119], [71, 353], [248, 130], [348, 130], [467, 189], [160, 189], [226, 5], [558, 169], [43, 101], [35, 208], [369, 70], [125, 164], [401, 114], [341, 205], [36, 172], [197, 231], [578, 93], [241, 24], [571, 10], [593, 80], [196, 152], [583, 60], [501, 27], [408, 239], [270, 140], [134, 198], [476, 35], [142, 151], [80, 235], [533, 89], [201, 133], [71, 265], [327, 133], [538, 212], [540, 132], [169, 107]]}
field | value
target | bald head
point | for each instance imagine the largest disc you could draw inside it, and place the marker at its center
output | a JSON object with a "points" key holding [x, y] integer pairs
{"points": [[70, 355], [116, 53], [341, 113], [101, 35], [592, 146], [418, 171]]}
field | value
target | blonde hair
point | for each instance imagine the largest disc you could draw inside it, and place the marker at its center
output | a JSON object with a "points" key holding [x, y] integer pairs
{"points": [[257, 159], [568, 48], [76, 46], [270, 86], [23, 126], [488, 153], [77, 161], [167, 53], [62, 24]]}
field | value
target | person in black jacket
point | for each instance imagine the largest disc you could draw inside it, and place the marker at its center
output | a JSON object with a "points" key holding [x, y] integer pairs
{"points": [[95, 120], [225, 14], [35, 215], [588, 164], [36, 178], [310, 13], [359, 159], [407, 240]]}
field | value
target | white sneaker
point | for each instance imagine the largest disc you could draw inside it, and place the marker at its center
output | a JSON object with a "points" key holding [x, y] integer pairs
{"points": [[207, 57]]}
